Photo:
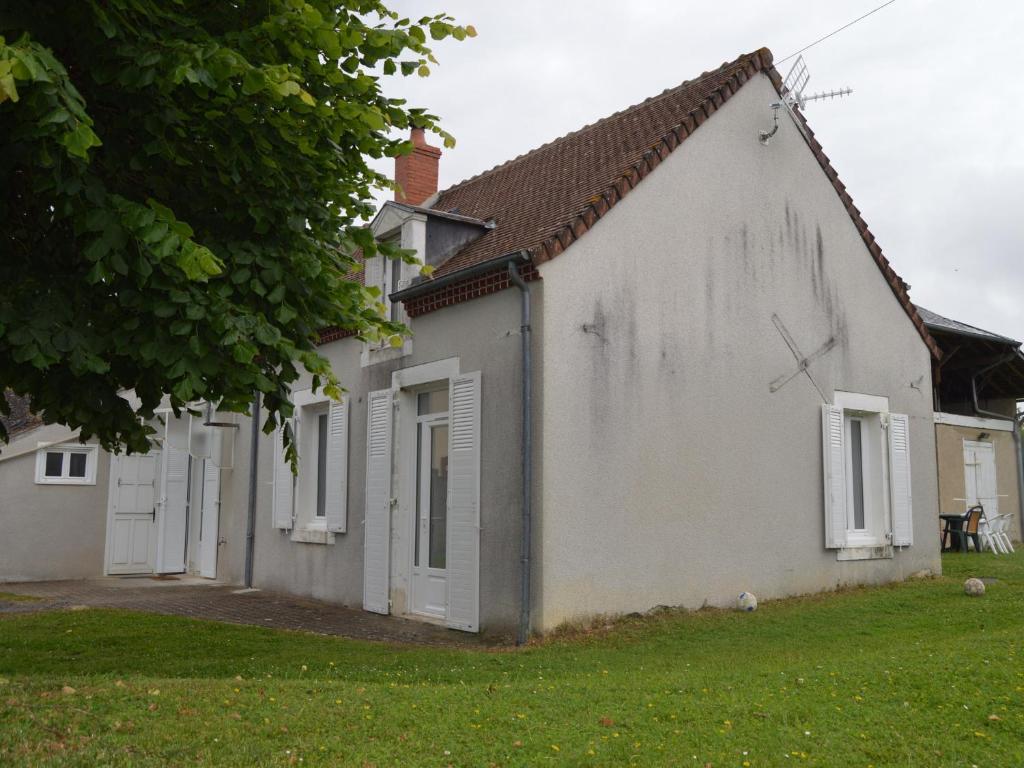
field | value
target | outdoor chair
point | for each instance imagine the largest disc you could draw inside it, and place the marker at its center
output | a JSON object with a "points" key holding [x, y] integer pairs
{"points": [[968, 529], [988, 532], [999, 526]]}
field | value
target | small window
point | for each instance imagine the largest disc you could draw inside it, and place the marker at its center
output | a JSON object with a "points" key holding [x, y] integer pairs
{"points": [[311, 482], [66, 465], [321, 465], [432, 402], [54, 464], [77, 462], [857, 473], [396, 281]]}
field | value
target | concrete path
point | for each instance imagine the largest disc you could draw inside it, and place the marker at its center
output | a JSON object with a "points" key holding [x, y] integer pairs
{"points": [[204, 599]]}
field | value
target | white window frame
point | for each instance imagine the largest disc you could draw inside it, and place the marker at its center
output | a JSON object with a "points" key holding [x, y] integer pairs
{"points": [[90, 451], [307, 441], [874, 472], [307, 527], [876, 539]]}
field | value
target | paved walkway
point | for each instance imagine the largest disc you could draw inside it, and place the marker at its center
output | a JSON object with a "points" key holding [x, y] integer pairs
{"points": [[203, 599]]}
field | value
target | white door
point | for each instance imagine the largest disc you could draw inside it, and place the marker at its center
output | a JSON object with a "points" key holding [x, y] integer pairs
{"points": [[980, 476], [131, 544], [172, 512], [429, 567], [209, 522]]}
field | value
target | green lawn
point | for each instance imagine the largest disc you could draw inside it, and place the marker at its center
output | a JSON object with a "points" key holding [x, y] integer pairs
{"points": [[915, 674]]}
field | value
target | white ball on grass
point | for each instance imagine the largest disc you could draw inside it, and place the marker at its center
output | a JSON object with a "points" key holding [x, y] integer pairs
{"points": [[974, 587], [746, 601]]}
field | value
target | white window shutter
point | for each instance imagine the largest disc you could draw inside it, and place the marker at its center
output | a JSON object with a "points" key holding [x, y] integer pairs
{"points": [[336, 500], [899, 480], [173, 523], [463, 529], [208, 530], [284, 485], [377, 518], [833, 434]]}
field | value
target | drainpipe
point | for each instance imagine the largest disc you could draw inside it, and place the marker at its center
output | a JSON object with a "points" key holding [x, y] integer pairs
{"points": [[527, 455], [250, 523], [1016, 429]]}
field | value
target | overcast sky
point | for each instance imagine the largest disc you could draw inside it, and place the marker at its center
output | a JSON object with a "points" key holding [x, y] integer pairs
{"points": [[930, 145]]}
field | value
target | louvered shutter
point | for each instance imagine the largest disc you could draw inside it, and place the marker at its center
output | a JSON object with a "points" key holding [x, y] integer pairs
{"points": [[377, 517], [209, 528], [174, 521], [463, 528], [284, 485], [899, 480], [834, 455], [336, 499]]}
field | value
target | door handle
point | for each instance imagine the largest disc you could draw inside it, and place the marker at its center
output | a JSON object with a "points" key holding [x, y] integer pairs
{"points": [[154, 514]]}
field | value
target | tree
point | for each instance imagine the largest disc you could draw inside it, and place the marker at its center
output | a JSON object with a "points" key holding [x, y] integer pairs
{"points": [[181, 190]]}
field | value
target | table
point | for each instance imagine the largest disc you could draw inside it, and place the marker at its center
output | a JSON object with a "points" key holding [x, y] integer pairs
{"points": [[954, 523]]}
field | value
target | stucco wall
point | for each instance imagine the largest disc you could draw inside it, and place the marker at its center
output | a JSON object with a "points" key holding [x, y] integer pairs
{"points": [[672, 475], [950, 451], [49, 531], [484, 334]]}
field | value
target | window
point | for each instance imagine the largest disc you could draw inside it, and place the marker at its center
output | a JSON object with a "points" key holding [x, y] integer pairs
{"points": [[867, 474], [66, 465], [311, 483], [313, 503], [321, 465]]}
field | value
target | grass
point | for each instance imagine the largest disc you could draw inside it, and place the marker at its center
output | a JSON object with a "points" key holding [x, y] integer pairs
{"points": [[11, 597], [915, 674]]}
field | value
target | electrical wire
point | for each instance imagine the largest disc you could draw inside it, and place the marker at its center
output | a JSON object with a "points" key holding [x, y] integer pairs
{"points": [[835, 32]]}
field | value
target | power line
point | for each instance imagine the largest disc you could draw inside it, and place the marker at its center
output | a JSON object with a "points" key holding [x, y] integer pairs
{"points": [[835, 32]]}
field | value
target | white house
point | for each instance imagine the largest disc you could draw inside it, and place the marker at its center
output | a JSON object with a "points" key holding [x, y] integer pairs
{"points": [[725, 384]]}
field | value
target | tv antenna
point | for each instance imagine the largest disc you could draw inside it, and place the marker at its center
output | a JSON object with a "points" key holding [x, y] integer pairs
{"points": [[793, 95]]}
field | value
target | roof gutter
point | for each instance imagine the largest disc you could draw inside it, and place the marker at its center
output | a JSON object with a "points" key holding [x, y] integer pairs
{"points": [[1016, 426], [429, 284]]}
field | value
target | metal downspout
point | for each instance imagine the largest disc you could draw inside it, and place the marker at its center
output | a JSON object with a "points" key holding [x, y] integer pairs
{"points": [[1016, 430], [523, 634], [250, 523]]}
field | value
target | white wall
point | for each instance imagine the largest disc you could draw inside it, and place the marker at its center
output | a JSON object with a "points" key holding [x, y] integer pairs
{"points": [[49, 531], [671, 475]]}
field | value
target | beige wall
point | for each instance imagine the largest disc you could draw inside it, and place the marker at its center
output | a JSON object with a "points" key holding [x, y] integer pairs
{"points": [[49, 531], [671, 474], [949, 446]]}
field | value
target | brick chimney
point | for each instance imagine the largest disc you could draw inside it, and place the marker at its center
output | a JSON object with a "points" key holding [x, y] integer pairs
{"points": [[416, 173]]}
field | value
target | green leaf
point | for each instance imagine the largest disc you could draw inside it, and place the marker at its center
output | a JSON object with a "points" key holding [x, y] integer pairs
{"points": [[80, 140], [7, 89], [288, 88]]}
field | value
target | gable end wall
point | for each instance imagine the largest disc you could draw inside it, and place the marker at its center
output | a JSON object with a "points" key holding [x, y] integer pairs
{"points": [[667, 460]]}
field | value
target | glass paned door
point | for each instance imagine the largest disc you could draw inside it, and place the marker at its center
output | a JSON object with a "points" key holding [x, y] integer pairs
{"points": [[430, 557]]}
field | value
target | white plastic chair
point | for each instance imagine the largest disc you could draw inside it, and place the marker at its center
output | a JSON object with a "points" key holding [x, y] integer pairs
{"points": [[987, 533], [1000, 524]]}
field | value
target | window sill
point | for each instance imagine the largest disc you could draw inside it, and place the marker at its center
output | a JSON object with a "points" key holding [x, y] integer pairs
{"points": [[880, 552], [309, 535], [65, 481]]}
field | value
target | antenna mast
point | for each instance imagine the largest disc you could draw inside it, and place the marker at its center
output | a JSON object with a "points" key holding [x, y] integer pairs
{"points": [[793, 95]]}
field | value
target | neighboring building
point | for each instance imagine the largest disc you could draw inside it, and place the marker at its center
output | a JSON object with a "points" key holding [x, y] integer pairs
{"points": [[729, 382], [977, 385], [53, 493]]}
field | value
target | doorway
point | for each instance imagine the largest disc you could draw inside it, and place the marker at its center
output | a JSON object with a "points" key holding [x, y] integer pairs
{"points": [[980, 476], [429, 566], [131, 525]]}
